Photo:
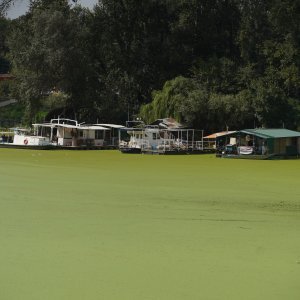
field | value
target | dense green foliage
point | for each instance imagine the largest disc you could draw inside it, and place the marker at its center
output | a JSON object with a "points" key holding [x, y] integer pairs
{"points": [[11, 114], [4, 64], [212, 64]]}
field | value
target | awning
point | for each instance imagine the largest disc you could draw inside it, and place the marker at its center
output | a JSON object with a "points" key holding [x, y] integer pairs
{"points": [[82, 127], [45, 125], [92, 127], [218, 134], [111, 125], [266, 133]]}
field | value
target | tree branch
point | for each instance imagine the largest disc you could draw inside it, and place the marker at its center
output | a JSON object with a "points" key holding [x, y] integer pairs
{"points": [[5, 4]]}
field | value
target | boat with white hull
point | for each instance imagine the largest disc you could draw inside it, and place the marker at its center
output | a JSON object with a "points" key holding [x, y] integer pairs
{"points": [[164, 136], [58, 134]]}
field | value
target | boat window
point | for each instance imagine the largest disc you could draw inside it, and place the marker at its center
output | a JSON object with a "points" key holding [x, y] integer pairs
{"points": [[155, 136], [99, 134]]}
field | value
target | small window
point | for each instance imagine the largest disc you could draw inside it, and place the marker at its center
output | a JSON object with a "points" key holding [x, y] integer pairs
{"points": [[99, 135], [155, 136]]}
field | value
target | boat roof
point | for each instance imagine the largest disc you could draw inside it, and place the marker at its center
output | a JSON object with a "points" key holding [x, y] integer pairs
{"points": [[54, 125], [168, 123], [111, 125], [266, 133], [217, 134], [154, 129], [6, 77], [271, 133], [20, 129], [132, 128], [92, 127], [79, 127]]}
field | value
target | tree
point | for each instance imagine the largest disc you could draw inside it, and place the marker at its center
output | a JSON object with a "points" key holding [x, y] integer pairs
{"points": [[4, 28], [49, 53], [195, 105], [204, 28], [130, 48], [168, 101], [212, 64], [6, 4]]}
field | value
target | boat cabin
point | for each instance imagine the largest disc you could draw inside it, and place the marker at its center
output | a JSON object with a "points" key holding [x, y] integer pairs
{"points": [[112, 136], [260, 143], [69, 133], [210, 141], [164, 136]]}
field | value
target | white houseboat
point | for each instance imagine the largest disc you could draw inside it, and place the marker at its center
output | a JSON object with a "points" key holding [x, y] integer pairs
{"points": [[112, 135], [164, 136], [70, 133], [60, 133]]}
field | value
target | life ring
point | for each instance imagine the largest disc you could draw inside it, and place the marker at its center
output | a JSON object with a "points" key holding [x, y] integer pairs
{"points": [[25, 142]]}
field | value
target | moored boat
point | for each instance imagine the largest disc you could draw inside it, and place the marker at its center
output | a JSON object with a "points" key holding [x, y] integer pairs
{"points": [[164, 136], [59, 134]]}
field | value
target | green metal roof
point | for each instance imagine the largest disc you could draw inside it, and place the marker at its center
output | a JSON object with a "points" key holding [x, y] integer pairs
{"points": [[272, 133]]}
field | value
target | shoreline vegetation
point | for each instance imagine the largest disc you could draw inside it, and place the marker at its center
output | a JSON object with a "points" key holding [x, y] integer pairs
{"points": [[213, 65]]}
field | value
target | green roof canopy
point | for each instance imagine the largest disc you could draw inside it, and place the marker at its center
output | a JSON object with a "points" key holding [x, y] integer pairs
{"points": [[272, 133]]}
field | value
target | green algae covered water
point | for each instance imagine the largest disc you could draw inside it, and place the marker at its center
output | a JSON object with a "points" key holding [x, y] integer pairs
{"points": [[104, 225]]}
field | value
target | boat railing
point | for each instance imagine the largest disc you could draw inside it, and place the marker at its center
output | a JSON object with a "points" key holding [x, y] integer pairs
{"points": [[135, 124], [199, 145], [65, 121]]}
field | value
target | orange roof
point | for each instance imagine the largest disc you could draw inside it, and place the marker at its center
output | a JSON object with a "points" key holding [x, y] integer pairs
{"points": [[6, 77], [217, 134]]}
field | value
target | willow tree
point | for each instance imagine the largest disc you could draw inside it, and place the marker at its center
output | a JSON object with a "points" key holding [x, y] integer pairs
{"points": [[168, 101]]}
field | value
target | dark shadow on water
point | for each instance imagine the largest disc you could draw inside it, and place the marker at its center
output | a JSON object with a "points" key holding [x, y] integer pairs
{"points": [[211, 220]]}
